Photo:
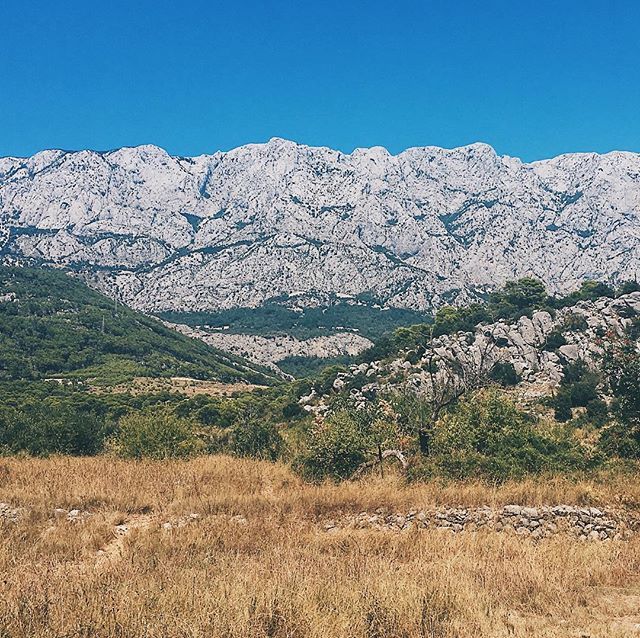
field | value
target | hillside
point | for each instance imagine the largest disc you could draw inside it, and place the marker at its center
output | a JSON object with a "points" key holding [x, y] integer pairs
{"points": [[536, 351], [53, 325], [295, 225]]}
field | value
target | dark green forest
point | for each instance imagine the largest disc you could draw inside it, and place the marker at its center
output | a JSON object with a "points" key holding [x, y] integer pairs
{"points": [[273, 319]]}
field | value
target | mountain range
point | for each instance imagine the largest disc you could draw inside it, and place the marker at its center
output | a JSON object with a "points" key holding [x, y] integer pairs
{"points": [[288, 223]]}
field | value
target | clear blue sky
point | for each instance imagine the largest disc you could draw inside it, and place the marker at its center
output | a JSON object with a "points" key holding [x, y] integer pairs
{"points": [[534, 78]]}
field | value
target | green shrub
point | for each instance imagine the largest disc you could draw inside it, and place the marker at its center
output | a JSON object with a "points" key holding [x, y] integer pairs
{"points": [[597, 412], [621, 367], [256, 438], [336, 449], [155, 433], [343, 442], [47, 428], [504, 373], [555, 339], [562, 406], [578, 388], [487, 435], [575, 322]]}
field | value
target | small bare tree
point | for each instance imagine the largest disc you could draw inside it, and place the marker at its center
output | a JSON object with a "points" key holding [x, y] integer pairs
{"points": [[451, 372]]}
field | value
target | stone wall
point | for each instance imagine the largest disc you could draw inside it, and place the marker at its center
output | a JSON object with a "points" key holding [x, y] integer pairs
{"points": [[583, 523]]}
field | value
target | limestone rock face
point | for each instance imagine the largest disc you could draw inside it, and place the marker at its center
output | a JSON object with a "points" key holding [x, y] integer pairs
{"points": [[524, 345], [268, 351], [419, 229]]}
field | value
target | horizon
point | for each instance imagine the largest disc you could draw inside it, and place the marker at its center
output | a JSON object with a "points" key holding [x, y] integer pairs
{"points": [[320, 146], [532, 81]]}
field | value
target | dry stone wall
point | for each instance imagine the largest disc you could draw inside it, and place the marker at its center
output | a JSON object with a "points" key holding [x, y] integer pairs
{"points": [[582, 523]]}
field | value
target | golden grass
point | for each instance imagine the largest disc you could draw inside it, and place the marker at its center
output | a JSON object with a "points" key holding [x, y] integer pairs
{"points": [[279, 575]]}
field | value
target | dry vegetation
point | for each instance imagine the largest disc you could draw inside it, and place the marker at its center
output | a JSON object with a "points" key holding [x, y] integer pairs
{"points": [[183, 385], [277, 573]]}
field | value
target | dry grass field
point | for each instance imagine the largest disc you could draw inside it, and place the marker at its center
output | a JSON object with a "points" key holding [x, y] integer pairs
{"points": [[219, 546]]}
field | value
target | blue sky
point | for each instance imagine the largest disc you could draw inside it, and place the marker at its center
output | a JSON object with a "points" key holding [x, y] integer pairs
{"points": [[534, 78]]}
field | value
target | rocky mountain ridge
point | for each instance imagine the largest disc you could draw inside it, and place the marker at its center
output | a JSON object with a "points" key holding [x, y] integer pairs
{"points": [[307, 225]]}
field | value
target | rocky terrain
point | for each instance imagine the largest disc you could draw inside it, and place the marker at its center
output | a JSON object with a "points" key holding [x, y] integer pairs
{"points": [[306, 225], [268, 351], [582, 523], [462, 357]]}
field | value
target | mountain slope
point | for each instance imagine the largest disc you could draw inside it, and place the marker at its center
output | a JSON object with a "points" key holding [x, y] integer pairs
{"points": [[537, 350], [51, 325], [311, 225]]}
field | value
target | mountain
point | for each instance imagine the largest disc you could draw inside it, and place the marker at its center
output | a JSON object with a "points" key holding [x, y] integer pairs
{"points": [[305, 226], [52, 325]]}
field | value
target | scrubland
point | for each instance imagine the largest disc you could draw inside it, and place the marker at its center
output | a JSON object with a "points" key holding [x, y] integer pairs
{"points": [[220, 546]]}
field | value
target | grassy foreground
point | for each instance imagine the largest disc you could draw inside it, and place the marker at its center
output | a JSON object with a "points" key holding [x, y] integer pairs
{"points": [[273, 571]]}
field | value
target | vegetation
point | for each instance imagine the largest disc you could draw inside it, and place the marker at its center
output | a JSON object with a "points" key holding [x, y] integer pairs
{"points": [[52, 325], [516, 299], [621, 368], [461, 429], [274, 319], [186, 566], [300, 367], [488, 436], [340, 445], [155, 434]]}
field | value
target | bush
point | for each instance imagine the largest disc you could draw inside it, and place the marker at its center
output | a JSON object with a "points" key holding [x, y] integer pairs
{"points": [[487, 435], [343, 442], [555, 339], [621, 366], [156, 434], [256, 438], [575, 322], [527, 292], [578, 388], [504, 374], [336, 449], [43, 429]]}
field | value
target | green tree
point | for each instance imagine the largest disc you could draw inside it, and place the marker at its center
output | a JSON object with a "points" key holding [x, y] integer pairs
{"points": [[348, 438], [621, 367], [527, 292]]}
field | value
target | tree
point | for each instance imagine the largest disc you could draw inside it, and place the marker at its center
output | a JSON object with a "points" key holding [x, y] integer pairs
{"points": [[350, 439], [627, 287], [450, 374], [621, 367], [527, 292]]}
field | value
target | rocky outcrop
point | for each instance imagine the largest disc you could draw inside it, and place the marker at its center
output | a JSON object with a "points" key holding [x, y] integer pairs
{"points": [[419, 229], [524, 344], [268, 351]]}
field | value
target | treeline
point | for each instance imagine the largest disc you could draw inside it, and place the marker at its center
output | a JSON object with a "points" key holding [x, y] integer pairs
{"points": [[272, 319]]}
